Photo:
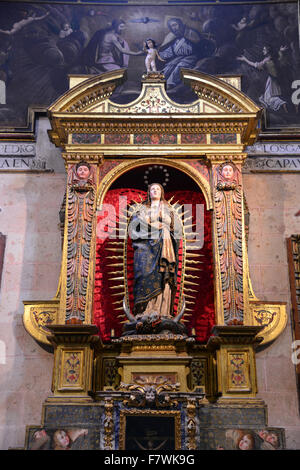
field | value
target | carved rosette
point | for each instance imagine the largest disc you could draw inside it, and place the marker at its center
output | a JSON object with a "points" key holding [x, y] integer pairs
{"points": [[228, 205]]}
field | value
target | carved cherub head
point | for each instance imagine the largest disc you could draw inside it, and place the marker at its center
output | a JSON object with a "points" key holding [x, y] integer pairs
{"points": [[150, 393]]}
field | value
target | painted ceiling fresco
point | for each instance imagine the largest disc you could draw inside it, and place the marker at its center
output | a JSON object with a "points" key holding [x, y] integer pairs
{"points": [[41, 44]]}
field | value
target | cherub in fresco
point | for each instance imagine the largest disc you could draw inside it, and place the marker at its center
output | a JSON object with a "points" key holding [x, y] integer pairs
{"points": [[65, 31], [22, 23], [241, 24], [64, 440], [241, 440], [270, 440], [149, 47], [40, 440]]}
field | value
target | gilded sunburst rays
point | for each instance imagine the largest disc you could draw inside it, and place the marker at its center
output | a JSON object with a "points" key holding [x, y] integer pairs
{"points": [[189, 269]]}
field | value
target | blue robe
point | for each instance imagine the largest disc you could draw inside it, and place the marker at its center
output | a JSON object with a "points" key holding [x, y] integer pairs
{"points": [[151, 271]]}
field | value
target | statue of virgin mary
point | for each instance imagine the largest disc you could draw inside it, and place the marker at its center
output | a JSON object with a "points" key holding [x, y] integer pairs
{"points": [[155, 234]]}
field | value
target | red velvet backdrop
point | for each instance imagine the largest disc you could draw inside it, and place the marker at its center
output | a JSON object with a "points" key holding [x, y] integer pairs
{"points": [[107, 314]]}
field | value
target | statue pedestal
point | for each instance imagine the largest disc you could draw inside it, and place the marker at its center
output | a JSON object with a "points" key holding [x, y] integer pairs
{"points": [[235, 356], [73, 361], [154, 358]]}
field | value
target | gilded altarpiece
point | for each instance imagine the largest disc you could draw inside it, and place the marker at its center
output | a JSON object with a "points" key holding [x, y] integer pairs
{"points": [[188, 380]]}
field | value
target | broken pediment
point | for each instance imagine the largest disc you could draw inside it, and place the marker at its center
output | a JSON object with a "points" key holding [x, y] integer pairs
{"points": [[88, 108]]}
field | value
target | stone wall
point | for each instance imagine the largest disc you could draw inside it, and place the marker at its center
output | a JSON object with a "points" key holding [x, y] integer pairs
{"points": [[29, 204], [273, 203]]}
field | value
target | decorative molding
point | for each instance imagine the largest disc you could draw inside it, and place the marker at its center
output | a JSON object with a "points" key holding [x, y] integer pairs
{"points": [[149, 395], [38, 316], [191, 426], [108, 424], [270, 316], [271, 164]]}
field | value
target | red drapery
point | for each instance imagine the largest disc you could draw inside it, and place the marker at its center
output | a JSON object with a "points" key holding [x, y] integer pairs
{"points": [[107, 309]]}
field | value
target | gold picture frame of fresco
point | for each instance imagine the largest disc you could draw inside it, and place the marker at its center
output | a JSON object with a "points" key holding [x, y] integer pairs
{"points": [[144, 414]]}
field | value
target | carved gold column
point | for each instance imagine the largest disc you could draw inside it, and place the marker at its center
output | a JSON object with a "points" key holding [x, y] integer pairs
{"points": [[234, 337], [78, 259], [229, 240], [73, 337]]}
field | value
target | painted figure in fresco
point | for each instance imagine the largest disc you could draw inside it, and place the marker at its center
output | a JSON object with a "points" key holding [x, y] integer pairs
{"points": [[241, 440], [65, 31], [108, 50], [152, 54], [155, 247], [270, 440], [271, 99], [22, 23], [179, 49], [40, 440]]}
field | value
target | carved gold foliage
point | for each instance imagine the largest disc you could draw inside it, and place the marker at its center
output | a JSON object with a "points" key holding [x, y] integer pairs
{"points": [[212, 96], [271, 316], [91, 98], [108, 424], [191, 424], [38, 316], [238, 371], [145, 395], [42, 317], [71, 369]]}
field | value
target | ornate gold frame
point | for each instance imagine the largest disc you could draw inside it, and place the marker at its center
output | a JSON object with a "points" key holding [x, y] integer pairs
{"points": [[157, 413]]}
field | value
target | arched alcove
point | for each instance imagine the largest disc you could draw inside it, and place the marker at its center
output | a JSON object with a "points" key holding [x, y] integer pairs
{"points": [[121, 187]]}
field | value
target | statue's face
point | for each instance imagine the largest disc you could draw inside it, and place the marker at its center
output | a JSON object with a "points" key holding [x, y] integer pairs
{"points": [[155, 192], [83, 172], [227, 172]]}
